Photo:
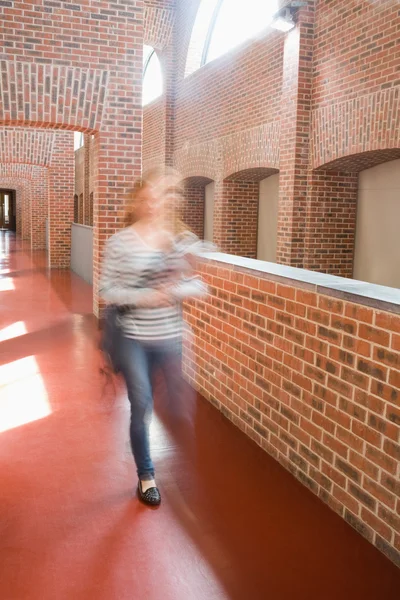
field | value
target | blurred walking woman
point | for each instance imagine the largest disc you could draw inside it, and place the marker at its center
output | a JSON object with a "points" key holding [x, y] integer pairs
{"points": [[145, 274]]}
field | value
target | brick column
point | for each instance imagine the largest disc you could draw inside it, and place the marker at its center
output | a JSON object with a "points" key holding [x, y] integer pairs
{"points": [[170, 70], [236, 217], [18, 207], [61, 200], [117, 161], [86, 193], [25, 207], [295, 138], [331, 222], [39, 208]]}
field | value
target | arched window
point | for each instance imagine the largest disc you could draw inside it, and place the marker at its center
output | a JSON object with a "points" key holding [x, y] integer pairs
{"points": [[152, 75], [224, 24]]}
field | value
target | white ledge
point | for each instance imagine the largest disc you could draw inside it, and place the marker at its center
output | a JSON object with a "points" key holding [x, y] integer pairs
{"points": [[378, 296]]}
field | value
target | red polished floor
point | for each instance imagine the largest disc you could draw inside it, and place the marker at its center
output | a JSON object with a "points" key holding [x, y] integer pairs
{"points": [[233, 523]]}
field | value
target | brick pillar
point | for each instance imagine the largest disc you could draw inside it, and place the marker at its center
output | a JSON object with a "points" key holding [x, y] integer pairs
{"points": [[331, 222], [86, 194], [26, 212], [295, 138], [117, 158], [236, 217], [80, 210], [170, 70], [61, 200], [39, 208], [192, 209], [18, 206]]}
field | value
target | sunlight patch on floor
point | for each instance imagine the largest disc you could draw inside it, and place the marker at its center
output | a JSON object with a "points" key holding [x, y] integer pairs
{"points": [[23, 395], [12, 331]]}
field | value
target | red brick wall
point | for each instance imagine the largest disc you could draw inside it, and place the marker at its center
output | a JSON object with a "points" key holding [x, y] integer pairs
{"points": [[87, 190], [154, 120], [355, 49], [18, 176], [193, 208], [211, 102], [61, 200], [235, 217], [295, 140], [88, 79], [314, 380], [325, 96], [331, 222], [39, 208]]}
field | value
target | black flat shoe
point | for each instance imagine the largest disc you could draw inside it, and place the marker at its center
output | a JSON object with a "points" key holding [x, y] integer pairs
{"points": [[151, 497]]}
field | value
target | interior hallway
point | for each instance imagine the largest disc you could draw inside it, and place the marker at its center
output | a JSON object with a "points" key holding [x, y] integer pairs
{"points": [[233, 523]]}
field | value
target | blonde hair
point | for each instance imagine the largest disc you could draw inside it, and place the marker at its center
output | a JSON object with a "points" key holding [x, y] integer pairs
{"points": [[171, 179]]}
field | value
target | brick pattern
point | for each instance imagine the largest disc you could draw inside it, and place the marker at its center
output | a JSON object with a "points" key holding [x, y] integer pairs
{"points": [[236, 217], [91, 200], [80, 179], [295, 147], [358, 162], [209, 102], [356, 49], [20, 186], [87, 79], [331, 222], [87, 190], [368, 124], [329, 101], [158, 23], [154, 123], [65, 96], [39, 208], [193, 207], [19, 177], [29, 146], [222, 158], [61, 204], [80, 209], [312, 379], [26, 208]]}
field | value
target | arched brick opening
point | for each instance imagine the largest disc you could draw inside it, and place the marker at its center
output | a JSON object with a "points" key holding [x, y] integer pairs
{"points": [[21, 187], [49, 156], [193, 205], [67, 88], [332, 211], [355, 163], [158, 25], [32, 208], [236, 211], [358, 126]]}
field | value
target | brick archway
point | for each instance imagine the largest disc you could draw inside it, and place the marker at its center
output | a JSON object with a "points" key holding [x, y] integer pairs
{"points": [[22, 188], [193, 207], [65, 86], [354, 163], [236, 210], [158, 25], [31, 183], [355, 127], [332, 210]]}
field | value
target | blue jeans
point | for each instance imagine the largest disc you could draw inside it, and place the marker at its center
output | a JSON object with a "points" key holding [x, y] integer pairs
{"points": [[138, 361]]}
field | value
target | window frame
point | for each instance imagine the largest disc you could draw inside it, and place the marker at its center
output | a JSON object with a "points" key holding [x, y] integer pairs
{"points": [[145, 67], [203, 52], [210, 33]]}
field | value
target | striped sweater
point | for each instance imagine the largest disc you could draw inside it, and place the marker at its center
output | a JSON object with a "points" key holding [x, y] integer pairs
{"points": [[131, 270]]}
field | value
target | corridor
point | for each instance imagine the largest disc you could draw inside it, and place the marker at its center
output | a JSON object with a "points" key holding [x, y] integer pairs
{"points": [[233, 524]]}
